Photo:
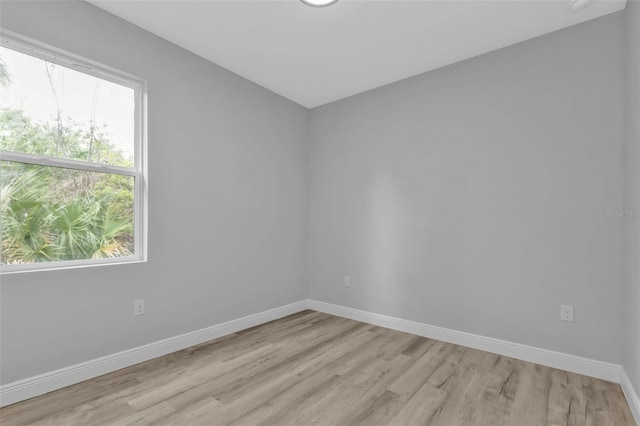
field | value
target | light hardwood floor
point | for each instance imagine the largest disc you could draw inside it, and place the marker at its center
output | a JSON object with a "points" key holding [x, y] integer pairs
{"points": [[316, 369]]}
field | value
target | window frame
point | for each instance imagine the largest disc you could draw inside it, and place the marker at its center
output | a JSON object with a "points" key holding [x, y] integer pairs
{"points": [[25, 45]]}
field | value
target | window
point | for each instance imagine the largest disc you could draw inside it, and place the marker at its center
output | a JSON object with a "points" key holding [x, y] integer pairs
{"points": [[72, 161]]}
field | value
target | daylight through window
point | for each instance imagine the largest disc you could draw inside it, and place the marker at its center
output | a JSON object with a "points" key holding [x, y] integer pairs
{"points": [[71, 161]]}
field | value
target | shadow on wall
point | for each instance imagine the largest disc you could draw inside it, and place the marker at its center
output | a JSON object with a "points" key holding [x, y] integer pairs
{"points": [[386, 215]]}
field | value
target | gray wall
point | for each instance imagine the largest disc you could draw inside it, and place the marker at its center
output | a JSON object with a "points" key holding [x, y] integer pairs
{"points": [[227, 203], [632, 197], [472, 197]]}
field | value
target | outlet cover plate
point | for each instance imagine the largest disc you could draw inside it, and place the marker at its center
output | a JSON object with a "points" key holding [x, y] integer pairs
{"points": [[566, 313], [138, 307]]}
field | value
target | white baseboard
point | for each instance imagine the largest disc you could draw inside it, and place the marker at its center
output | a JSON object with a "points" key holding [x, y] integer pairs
{"points": [[47, 382], [575, 364], [585, 366], [632, 397]]}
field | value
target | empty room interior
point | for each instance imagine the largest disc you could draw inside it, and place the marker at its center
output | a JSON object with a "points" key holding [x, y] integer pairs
{"points": [[320, 212]]}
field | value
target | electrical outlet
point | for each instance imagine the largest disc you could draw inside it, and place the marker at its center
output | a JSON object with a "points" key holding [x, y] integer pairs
{"points": [[138, 307], [347, 281], [566, 313]]}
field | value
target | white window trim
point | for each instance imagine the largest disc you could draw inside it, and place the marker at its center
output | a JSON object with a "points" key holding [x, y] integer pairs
{"points": [[31, 47]]}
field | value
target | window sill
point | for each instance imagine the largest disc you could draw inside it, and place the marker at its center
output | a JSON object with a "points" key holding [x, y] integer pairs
{"points": [[74, 264]]}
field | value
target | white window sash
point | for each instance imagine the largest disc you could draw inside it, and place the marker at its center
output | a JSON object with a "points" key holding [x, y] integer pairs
{"points": [[41, 160], [48, 53]]}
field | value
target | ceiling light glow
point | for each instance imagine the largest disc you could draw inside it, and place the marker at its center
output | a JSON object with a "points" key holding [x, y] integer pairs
{"points": [[318, 3], [579, 4]]}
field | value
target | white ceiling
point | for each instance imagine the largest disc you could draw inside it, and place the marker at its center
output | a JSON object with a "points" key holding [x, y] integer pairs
{"points": [[318, 55]]}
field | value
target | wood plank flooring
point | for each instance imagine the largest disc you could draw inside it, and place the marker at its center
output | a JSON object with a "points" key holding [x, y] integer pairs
{"points": [[316, 369]]}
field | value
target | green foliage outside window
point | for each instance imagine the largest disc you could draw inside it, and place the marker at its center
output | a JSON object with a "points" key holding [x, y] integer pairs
{"points": [[56, 214]]}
